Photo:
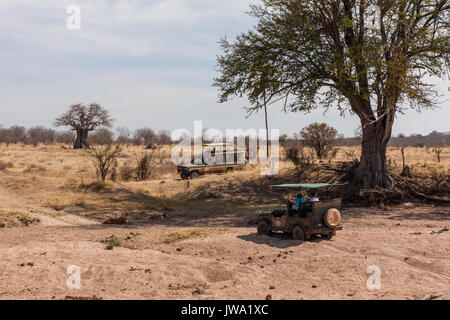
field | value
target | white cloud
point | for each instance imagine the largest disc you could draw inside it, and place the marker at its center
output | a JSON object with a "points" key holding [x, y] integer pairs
{"points": [[152, 62], [132, 28]]}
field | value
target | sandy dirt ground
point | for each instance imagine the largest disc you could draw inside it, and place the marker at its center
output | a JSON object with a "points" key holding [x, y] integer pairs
{"points": [[210, 256]]}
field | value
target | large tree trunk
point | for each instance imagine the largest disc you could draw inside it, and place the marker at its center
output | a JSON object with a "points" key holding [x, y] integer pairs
{"points": [[372, 171], [81, 140]]}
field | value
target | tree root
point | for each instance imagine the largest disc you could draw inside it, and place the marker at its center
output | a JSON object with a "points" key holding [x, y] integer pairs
{"points": [[405, 188], [411, 185]]}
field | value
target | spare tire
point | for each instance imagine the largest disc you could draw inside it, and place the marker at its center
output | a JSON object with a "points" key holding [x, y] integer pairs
{"points": [[332, 217]]}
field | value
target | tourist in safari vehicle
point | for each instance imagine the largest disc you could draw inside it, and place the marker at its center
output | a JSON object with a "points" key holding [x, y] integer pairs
{"points": [[304, 217]]}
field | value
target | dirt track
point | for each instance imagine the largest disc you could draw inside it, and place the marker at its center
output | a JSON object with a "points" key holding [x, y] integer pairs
{"points": [[229, 262]]}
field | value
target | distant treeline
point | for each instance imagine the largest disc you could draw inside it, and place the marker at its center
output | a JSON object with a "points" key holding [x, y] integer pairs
{"points": [[433, 139], [41, 134], [147, 136]]}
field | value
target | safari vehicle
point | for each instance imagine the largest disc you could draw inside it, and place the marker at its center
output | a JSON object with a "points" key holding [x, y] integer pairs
{"points": [[309, 219], [213, 160]]}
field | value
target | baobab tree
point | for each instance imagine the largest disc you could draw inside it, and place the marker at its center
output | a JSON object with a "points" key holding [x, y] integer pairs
{"points": [[84, 119], [373, 58]]}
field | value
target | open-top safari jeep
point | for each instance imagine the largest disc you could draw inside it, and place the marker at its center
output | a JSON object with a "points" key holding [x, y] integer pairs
{"points": [[308, 219]]}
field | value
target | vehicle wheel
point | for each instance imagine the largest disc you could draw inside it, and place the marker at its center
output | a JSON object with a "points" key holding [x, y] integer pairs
{"points": [[298, 233], [263, 228], [194, 174], [328, 236], [184, 176]]}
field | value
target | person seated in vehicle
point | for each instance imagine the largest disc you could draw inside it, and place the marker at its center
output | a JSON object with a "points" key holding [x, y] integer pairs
{"points": [[299, 199], [290, 205], [294, 205], [313, 198]]}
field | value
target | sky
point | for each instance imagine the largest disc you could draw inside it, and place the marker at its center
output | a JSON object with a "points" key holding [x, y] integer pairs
{"points": [[150, 63]]}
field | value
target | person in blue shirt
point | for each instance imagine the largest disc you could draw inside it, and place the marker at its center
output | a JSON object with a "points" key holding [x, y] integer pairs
{"points": [[299, 200]]}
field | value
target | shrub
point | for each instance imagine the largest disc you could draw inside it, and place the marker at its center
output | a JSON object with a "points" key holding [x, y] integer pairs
{"points": [[320, 137], [104, 158], [350, 153], [144, 166], [95, 187], [101, 136], [126, 172], [112, 242], [145, 136], [300, 159], [437, 152], [6, 165], [32, 168]]}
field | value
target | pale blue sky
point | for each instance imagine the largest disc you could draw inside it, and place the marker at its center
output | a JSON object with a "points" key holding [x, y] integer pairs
{"points": [[151, 63]]}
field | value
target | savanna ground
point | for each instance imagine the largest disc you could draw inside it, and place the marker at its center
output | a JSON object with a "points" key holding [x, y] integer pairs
{"points": [[187, 239]]}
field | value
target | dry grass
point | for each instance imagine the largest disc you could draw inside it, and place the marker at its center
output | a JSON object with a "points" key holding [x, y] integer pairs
{"points": [[191, 233], [56, 176], [15, 219], [6, 165]]}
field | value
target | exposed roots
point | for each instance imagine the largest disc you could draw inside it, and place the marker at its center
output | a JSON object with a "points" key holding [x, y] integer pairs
{"points": [[403, 189], [257, 189], [417, 190]]}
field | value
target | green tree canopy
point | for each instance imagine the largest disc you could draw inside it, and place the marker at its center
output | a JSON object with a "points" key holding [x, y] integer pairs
{"points": [[373, 58], [320, 137]]}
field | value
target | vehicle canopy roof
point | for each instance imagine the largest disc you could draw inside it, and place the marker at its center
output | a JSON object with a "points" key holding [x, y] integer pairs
{"points": [[305, 185]]}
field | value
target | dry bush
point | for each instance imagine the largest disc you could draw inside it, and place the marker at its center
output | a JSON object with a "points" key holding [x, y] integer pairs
{"points": [[164, 137], [350, 153], [331, 153], [440, 182], [437, 152], [101, 136], [16, 219], [163, 164], [95, 186], [191, 233], [14, 134], [104, 159], [66, 137], [6, 165], [149, 164], [165, 169], [126, 172], [33, 168], [301, 160], [292, 154], [145, 136], [123, 135], [144, 166]]}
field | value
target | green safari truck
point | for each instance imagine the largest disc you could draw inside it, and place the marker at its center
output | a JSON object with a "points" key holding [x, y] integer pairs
{"points": [[304, 219]]}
